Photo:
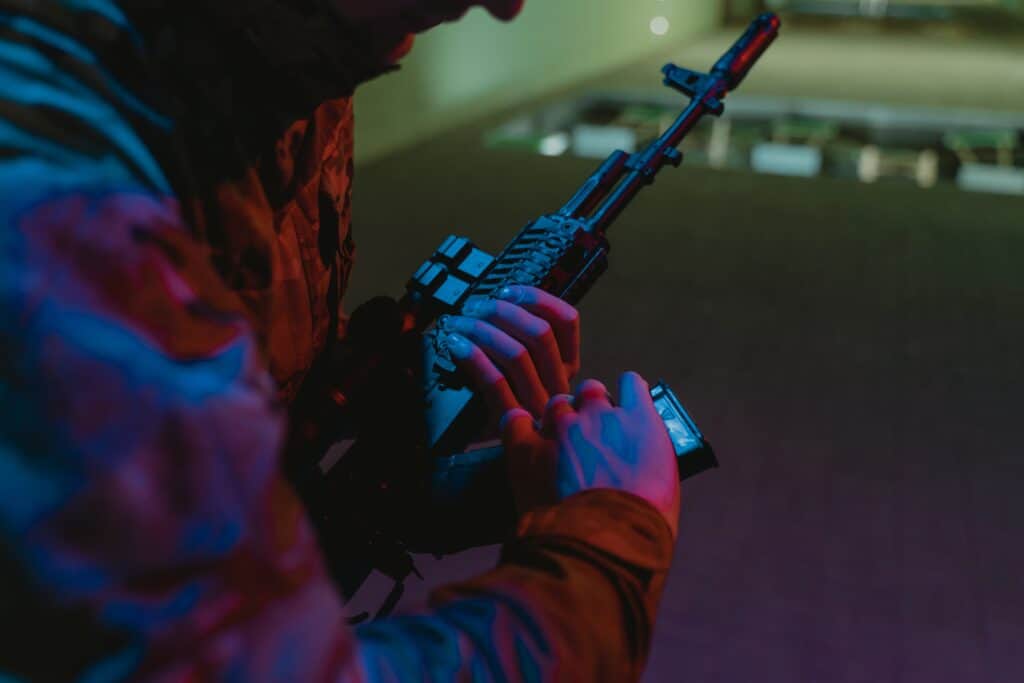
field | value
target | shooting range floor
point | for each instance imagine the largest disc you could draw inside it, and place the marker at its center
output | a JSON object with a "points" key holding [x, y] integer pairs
{"points": [[854, 353]]}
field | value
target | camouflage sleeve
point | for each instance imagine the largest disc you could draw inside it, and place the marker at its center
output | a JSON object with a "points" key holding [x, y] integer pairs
{"points": [[145, 529], [573, 599]]}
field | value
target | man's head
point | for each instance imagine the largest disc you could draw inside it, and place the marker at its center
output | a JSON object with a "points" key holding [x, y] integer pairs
{"points": [[393, 23]]}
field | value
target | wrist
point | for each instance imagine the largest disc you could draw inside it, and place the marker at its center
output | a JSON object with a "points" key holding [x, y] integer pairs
{"points": [[616, 522]]}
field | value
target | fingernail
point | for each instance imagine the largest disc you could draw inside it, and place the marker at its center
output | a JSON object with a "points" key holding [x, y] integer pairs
{"points": [[476, 306], [458, 346], [444, 321], [512, 294]]}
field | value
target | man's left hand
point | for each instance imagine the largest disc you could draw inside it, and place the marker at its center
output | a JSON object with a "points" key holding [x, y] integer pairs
{"points": [[519, 349]]}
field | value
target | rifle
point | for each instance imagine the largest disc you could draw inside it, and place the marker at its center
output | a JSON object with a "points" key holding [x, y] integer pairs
{"points": [[428, 488]]}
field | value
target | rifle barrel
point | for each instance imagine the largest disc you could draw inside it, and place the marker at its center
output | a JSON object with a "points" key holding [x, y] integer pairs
{"points": [[597, 186], [709, 90]]}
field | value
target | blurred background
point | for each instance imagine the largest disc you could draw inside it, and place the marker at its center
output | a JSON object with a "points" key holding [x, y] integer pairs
{"points": [[833, 282]]}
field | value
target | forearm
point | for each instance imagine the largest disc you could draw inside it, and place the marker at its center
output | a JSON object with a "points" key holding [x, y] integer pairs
{"points": [[574, 598]]}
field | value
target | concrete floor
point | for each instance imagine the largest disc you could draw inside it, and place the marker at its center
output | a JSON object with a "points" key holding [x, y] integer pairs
{"points": [[853, 352]]}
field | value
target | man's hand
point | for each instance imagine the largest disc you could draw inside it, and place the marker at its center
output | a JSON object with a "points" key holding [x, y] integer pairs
{"points": [[519, 350], [587, 443]]}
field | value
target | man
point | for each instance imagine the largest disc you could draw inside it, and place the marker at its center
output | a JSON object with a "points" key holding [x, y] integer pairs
{"points": [[175, 243]]}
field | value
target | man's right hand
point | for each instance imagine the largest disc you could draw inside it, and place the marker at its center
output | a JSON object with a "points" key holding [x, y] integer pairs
{"points": [[587, 443]]}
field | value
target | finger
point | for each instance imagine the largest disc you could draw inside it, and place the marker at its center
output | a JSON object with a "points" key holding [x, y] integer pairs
{"points": [[592, 395], [532, 331], [635, 394], [558, 415], [563, 318], [531, 467], [517, 428], [512, 357], [482, 373]]}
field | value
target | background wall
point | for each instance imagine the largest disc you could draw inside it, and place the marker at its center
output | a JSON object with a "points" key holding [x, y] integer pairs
{"points": [[474, 67]]}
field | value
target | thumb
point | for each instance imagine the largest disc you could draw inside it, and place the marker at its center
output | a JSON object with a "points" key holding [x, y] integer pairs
{"points": [[635, 394]]}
